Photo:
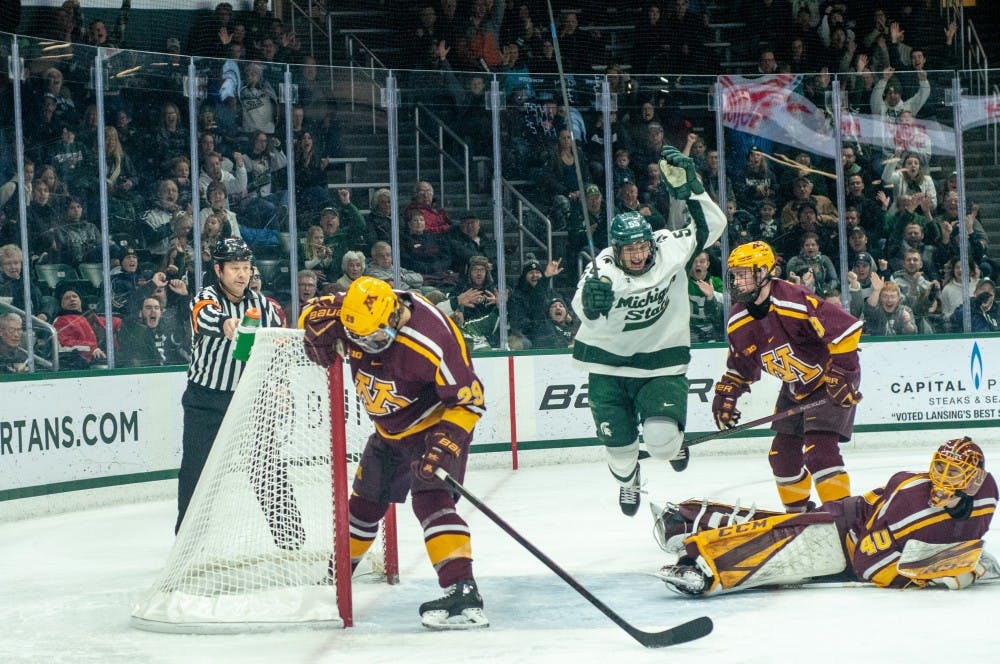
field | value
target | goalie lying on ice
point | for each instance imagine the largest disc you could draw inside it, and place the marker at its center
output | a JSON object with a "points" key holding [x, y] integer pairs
{"points": [[920, 529]]}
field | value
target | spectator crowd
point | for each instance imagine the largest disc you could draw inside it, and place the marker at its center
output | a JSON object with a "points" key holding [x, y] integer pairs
{"points": [[904, 272]]}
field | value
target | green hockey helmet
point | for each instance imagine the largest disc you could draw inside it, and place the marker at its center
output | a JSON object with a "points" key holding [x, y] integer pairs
{"points": [[629, 229]]}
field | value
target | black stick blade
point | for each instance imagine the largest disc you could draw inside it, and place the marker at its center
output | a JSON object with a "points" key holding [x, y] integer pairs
{"points": [[689, 631]]}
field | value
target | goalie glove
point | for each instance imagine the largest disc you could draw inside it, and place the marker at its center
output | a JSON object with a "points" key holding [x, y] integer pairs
{"points": [[954, 566], [727, 391], [842, 386], [597, 297], [680, 174]]}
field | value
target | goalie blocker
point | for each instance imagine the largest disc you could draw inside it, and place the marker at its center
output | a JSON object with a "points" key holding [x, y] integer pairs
{"points": [[920, 529]]}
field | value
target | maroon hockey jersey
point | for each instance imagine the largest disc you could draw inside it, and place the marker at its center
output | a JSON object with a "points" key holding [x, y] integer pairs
{"points": [[888, 517], [795, 341], [424, 377]]}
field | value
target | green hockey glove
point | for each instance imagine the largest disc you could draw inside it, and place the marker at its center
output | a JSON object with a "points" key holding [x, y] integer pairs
{"points": [[680, 174], [597, 297]]}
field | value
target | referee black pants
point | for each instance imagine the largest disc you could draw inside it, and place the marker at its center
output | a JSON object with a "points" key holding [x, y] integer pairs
{"points": [[203, 412]]}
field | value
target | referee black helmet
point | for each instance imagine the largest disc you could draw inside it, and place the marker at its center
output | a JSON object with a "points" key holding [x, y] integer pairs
{"points": [[231, 249]]}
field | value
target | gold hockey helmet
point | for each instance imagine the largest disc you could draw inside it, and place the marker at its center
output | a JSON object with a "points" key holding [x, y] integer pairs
{"points": [[369, 312], [756, 256], [957, 466]]}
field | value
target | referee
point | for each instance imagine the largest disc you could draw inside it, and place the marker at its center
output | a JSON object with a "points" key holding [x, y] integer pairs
{"points": [[213, 373]]}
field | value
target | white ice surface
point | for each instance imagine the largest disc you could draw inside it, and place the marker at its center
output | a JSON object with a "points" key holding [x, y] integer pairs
{"points": [[67, 584]]}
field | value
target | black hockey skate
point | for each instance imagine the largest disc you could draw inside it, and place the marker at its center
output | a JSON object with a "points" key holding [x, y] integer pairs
{"points": [[684, 578], [628, 496], [680, 462], [460, 608]]}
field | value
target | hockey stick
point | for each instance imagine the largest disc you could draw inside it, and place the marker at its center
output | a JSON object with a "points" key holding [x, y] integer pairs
{"points": [[774, 417], [689, 631]]}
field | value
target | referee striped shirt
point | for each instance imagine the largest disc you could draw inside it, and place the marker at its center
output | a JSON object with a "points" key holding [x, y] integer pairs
{"points": [[212, 364]]}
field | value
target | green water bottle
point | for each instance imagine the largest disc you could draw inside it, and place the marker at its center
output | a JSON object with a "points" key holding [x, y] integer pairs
{"points": [[245, 335]]}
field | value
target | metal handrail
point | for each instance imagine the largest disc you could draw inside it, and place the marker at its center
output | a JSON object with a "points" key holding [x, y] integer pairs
{"points": [[38, 323], [442, 128], [296, 8], [373, 63], [993, 125], [978, 62], [522, 204]]}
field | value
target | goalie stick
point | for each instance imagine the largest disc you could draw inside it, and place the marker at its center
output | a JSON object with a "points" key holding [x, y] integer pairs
{"points": [[689, 631]]}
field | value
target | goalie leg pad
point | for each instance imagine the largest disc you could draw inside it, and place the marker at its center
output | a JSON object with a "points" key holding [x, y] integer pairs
{"points": [[672, 523], [788, 548]]}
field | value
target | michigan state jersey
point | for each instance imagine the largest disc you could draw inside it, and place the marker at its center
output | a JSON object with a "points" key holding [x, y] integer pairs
{"points": [[646, 333]]}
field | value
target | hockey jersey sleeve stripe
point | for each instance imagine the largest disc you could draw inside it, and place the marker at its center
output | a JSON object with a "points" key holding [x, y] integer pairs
{"points": [[779, 309], [848, 341], [461, 339], [738, 320], [923, 523], [930, 520], [422, 423], [737, 323], [884, 571], [461, 417], [883, 508], [442, 376], [789, 305], [455, 332]]}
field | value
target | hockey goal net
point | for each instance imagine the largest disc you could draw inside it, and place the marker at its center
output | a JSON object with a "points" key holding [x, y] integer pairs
{"points": [[264, 543]]}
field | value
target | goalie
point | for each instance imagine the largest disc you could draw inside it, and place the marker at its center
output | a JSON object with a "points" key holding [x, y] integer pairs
{"points": [[920, 529], [635, 338]]}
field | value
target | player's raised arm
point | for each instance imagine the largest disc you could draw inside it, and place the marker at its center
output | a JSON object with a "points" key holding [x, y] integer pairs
{"points": [[682, 179]]}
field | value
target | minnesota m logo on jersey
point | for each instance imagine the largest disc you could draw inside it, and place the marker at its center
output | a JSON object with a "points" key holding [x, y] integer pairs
{"points": [[782, 363], [379, 395]]}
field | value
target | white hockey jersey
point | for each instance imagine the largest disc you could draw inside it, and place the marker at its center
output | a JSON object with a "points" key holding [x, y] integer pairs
{"points": [[647, 332]]}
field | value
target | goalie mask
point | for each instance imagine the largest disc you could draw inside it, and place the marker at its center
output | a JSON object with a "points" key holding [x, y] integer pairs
{"points": [[957, 468], [632, 243], [369, 313], [750, 269]]}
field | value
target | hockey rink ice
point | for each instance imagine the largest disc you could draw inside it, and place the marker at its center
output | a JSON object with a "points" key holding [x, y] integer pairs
{"points": [[68, 583]]}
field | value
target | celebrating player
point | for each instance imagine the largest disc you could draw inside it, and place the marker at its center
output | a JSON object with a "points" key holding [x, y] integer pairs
{"points": [[812, 347], [412, 369], [920, 529], [635, 340]]}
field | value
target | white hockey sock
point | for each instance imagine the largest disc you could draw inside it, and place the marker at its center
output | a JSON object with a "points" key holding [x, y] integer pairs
{"points": [[623, 461]]}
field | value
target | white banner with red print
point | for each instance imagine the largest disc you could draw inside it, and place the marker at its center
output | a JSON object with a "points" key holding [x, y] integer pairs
{"points": [[979, 111], [770, 107]]}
